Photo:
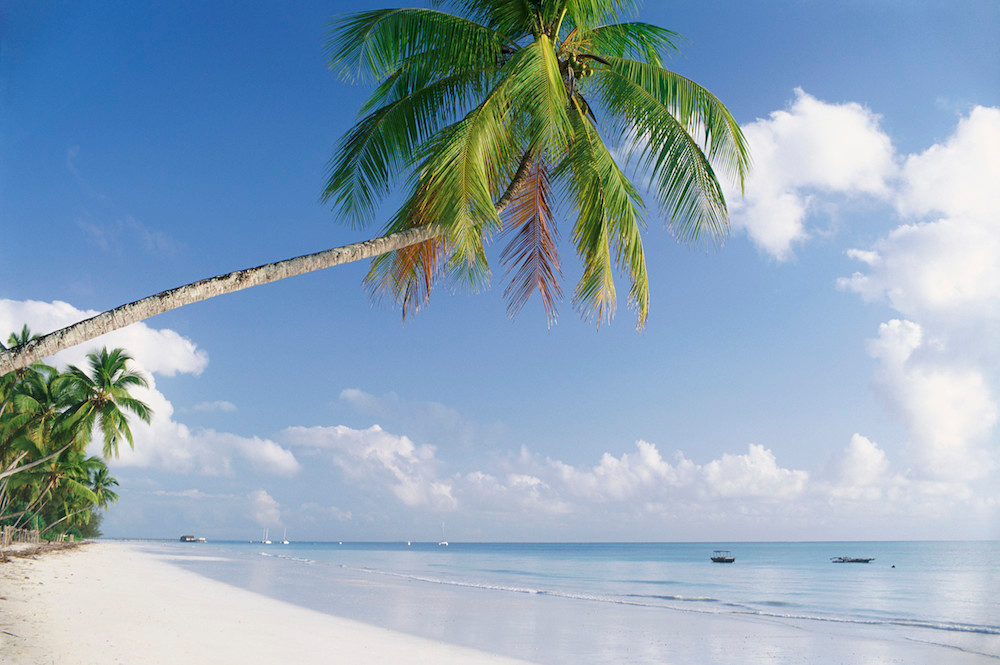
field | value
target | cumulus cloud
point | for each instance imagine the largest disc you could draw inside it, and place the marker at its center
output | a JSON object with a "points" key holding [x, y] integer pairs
{"points": [[860, 471], [163, 352], [940, 269], [170, 445], [164, 443], [376, 455], [813, 149], [264, 509], [945, 264], [755, 474], [948, 409], [621, 478]]}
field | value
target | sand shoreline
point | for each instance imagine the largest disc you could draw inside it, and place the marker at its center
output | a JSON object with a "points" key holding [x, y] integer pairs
{"points": [[117, 602], [109, 603]]}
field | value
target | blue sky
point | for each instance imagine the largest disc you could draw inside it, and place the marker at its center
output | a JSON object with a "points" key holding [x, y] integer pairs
{"points": [[830, 373]]}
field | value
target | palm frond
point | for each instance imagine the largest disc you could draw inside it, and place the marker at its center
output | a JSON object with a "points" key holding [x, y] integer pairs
{"points": [[609, 213], [382, 147], [538, 93], [372, 45], [637, 40], [532, 254], [661, 110]]}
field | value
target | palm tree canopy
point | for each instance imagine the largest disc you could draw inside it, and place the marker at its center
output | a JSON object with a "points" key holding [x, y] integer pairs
{"points": [[498, 112], [102, 396]]}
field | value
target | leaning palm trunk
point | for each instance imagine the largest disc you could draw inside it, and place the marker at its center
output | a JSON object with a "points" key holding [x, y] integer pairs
{"points": [[133, 312]]}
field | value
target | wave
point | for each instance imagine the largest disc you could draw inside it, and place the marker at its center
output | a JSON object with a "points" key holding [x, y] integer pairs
{"points": [[701, 604], [698, 604], [287, 557]]}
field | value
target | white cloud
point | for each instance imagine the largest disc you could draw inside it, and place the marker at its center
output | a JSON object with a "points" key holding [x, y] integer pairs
{"points": [[621, 478], [940, 269], [376, 455], [264, 509], [755, 474], [162, 352], [811, 150], [164, 443], [860, 471], [945, 269], [173, 446], [957, 178], [948, 409]]}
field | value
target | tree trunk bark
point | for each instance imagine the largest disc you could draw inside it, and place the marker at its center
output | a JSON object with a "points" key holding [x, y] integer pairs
{"points": [[125, 315], [133, 312]]}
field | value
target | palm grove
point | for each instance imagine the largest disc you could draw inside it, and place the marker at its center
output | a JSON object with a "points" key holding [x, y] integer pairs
{"points": [[496, 117], [48, 417]]}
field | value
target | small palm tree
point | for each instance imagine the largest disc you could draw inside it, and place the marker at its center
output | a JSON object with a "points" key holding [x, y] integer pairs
{"points": [[101, 482], [101, 397]]}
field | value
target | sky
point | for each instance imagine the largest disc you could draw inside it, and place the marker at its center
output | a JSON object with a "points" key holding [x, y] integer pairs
{"points": [[832, 372]]}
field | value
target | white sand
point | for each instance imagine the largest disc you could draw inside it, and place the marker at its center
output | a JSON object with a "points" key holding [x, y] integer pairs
{"points": [[109, 603], [113, 603]]}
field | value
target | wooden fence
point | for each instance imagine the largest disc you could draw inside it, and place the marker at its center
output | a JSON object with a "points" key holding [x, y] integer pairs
{"points": [[9, 536]]}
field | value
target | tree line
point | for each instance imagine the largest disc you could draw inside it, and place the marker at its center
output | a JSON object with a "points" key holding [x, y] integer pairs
{"points": [[48, 418]]}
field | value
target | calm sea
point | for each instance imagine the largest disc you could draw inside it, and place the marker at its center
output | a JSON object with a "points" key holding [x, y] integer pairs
{"points": [[630, 602]]}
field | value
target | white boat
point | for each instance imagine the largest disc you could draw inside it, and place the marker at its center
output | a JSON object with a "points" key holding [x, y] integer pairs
{"points": [[284, 537], [264, 540]]}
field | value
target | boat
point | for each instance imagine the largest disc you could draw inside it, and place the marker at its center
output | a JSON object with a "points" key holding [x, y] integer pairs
{"points": [[192, 539], [723, 556], [284, 537], [851, 559], [264, 540]]}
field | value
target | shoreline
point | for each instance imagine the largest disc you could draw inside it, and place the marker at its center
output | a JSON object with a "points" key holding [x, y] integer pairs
{"points": [[118, 602], [103, 602]]}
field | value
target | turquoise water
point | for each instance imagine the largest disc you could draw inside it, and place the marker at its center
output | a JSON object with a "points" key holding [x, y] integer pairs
{"points": [[555, 602]]}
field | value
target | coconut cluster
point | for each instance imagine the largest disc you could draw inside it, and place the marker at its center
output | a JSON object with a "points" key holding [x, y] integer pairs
{"points": [[578, 67]]}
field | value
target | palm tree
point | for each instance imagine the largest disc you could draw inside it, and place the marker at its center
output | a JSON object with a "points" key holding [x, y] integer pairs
{"points": [[493, 111], [100, 397]]}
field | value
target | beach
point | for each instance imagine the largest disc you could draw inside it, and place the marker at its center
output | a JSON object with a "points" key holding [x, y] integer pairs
{"points": [[107, 603], [127, 602]]}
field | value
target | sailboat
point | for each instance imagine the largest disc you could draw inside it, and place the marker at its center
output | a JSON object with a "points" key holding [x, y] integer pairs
{"points": [[284, 537], [264, 540], [443, 541]]}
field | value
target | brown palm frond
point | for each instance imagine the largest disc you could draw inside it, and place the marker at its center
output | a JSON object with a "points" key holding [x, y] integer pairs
{"points": [[532, 256], [407, 275]]}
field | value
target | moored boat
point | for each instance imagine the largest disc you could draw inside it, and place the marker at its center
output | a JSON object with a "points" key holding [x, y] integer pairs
{"points": [[851, 559], [723, 556]]}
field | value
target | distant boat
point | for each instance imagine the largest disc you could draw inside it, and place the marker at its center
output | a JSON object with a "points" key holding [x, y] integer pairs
{"points": [[443, 541], [723, 556], [264, 540], [192, 539], [284, 537], [851, 559]]}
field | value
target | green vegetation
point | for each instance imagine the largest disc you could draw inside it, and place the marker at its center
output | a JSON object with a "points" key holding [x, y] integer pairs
{"points": [[499, 113], [47, 419]]}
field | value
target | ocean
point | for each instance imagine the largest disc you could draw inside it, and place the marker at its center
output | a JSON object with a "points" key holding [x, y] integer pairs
{"points": [[597, 603]]}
